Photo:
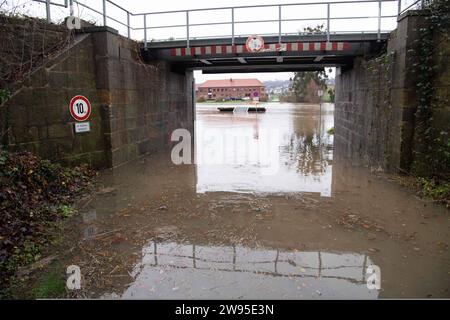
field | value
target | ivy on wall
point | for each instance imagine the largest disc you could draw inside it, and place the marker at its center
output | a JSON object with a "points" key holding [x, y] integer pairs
{"points": [[431, 141]]}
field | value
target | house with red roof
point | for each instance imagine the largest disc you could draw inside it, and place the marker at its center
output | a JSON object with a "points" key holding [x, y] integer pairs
{"points": [[231, 89]]}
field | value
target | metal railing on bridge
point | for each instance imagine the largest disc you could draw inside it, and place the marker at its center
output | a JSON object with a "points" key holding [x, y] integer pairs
{"points": [[187, 25]]}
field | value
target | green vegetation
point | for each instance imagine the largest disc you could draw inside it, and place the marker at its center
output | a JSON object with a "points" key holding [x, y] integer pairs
{"points": [[35, 195], [66, 211], [306, 84], [330, 131], [4, 95], [313, 30], [431, 158], [331, 94], [50, 285], [436, 190]]}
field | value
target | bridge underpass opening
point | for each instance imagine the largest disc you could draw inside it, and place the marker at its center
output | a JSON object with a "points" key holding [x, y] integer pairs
{"points": [[271, 206], [265, 144]]}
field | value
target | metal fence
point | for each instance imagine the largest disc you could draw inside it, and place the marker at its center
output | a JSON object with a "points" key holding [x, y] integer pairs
{"points": [[231, 21]]}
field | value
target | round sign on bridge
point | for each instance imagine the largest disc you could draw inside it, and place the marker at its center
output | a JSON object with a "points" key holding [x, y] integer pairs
{"points": [[254, 43], [80, 108]]}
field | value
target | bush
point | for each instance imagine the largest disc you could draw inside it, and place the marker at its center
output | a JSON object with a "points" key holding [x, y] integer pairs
{"points": [[4, 95], [34, 194], [435, 189]]}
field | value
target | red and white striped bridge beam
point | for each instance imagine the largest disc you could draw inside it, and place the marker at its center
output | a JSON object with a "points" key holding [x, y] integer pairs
{"points": [[299, 52], [291, 47]]}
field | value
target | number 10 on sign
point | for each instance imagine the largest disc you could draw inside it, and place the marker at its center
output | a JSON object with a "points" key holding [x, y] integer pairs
{"points": [[80, 108]]}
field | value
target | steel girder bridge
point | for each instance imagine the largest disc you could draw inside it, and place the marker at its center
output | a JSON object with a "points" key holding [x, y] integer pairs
{"points": [[223, 47]]}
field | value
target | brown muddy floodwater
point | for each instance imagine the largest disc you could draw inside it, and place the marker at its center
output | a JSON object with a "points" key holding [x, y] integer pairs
{"points": [[300, 222]]}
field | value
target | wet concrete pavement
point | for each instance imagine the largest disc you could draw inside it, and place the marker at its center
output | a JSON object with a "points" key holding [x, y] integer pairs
{"points": [[229, 230]]}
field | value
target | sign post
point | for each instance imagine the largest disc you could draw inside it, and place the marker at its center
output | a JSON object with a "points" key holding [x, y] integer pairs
{"points": [[320, 94]]}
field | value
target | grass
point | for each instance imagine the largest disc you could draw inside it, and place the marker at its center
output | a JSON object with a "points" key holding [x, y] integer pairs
{"points": [[50, 285]]}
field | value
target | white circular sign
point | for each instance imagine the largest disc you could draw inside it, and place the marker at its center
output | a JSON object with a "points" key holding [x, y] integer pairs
{"points": [[254, 43], [80, 108]]}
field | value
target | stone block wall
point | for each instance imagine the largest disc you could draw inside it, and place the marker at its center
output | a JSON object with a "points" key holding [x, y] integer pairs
{"points": [[37, 117], [135, 106], [442, 86], [431, 143], [144, 102], [25, 44], [366, 124], [376, 101]]}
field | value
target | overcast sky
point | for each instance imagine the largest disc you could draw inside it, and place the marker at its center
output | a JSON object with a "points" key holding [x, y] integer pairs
{"points": [[290, 12]]}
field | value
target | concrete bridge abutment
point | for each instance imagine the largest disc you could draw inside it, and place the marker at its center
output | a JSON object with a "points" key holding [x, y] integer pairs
{"points": [[376, 101], [135, 106]]}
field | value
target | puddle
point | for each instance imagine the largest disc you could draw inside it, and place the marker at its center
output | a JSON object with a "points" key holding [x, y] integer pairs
{"points": [[186, 271]]}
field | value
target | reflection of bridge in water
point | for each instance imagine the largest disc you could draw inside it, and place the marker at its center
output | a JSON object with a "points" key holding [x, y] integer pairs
{"points": [[346, 266], [250, 273]]}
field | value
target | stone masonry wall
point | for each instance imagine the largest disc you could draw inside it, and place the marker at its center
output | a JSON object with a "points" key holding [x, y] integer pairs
{"points": [[37, 116], [431, 154], [376, 102], [144, 103], [25, 43], [366, 125], [135, 106], [442, 86]]}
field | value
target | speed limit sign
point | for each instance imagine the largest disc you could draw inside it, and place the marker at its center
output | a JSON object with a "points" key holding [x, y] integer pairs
{"points": [[80, 108]]}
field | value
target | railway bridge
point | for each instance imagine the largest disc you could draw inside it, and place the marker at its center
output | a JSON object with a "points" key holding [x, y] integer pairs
{"points": [[214, 39], [136, 67]]}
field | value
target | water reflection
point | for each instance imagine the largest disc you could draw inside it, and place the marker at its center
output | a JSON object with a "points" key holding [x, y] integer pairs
{"points": [[303, 150], [174, 270]]}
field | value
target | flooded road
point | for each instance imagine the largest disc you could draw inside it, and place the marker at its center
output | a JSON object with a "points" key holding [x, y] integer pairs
{"points": [[234, 226], [293, 141]]}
